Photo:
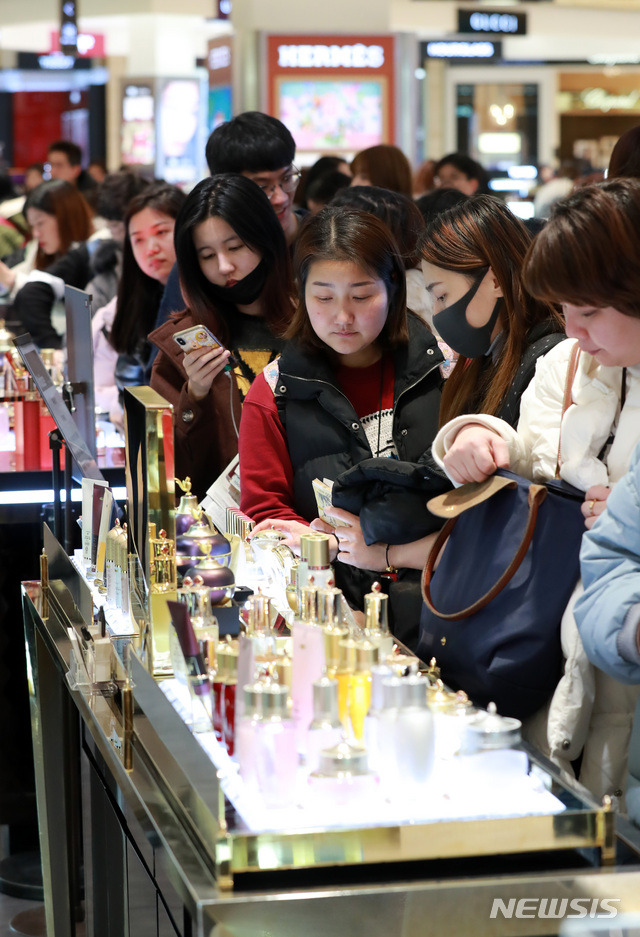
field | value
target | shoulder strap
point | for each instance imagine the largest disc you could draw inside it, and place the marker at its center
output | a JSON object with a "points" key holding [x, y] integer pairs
{"points": [[572, 370]]}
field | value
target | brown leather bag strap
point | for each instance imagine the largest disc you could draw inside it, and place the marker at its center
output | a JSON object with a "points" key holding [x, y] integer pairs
{"points": [[572, 370], [537, 494]]}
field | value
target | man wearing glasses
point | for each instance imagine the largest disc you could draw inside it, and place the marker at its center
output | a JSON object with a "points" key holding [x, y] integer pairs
{"points": [[261, 148]]}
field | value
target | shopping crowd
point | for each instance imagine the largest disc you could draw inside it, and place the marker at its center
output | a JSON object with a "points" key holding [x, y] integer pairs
{"points": [[400, 335]]}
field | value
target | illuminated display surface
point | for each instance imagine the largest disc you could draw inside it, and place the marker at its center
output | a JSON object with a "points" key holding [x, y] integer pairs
{"points": [[341, 115]]}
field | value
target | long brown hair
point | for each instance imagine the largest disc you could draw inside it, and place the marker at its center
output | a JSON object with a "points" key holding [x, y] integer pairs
{"points": [[479, 233], [588, 253], [139, 295], [386, 166], [239, 202], [348, 234], [72, 213]]}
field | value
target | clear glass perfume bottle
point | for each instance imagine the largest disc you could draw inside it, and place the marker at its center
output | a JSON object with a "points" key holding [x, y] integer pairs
{"points": [[379, 672], [385, 757], [376, 619], [414, 735], [335, 631], [325, 730], [260, 632]]}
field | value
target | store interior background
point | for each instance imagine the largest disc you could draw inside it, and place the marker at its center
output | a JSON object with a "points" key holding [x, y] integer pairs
{"points": [[570, 47]]}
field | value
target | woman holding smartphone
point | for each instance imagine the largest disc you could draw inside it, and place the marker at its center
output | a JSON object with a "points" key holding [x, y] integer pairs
{"points": [[235, 276]]}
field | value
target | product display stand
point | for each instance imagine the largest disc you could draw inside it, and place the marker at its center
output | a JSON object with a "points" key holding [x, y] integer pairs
{"points": [[142, 832], [148, 798]]}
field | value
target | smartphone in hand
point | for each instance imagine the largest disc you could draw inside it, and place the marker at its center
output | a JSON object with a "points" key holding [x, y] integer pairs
{"points": [[199, 336]]}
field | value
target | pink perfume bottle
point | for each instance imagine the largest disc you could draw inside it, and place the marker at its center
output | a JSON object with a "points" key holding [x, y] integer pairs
{"points": [[246, 731], [276, 755]]}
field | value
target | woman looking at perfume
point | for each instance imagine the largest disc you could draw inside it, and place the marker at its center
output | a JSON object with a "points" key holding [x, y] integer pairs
{"points": [[587, 257], [472, 257], [235, 276], [359, 379]]}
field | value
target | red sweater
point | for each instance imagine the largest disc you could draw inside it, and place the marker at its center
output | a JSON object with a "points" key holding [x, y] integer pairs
{"points": [[265, 468]]}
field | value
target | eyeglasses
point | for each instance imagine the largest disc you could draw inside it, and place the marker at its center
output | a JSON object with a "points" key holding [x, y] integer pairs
{"points": [[288, 183]]}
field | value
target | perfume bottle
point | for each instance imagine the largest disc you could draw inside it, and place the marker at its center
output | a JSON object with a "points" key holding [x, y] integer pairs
{"points": [[347, 663], [318, 563], [379, 672], [260, 633], [343, 778], [276, 756], [385, 758], [197, 598], [218, 688], [283, 671], [124, 571], [292, 588], [308, 662], [228, 704], [303, 563], [360, 685], [110, 572], [246, 729], [376, 619], [325, 730], [334, 630], [414, 735]]}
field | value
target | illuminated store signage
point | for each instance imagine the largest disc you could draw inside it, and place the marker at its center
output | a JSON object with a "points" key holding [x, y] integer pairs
{"points": [[598, 99], [493, 22], [90, 45], [461, 49], [335, 93], [357, 55], [219, 57]]}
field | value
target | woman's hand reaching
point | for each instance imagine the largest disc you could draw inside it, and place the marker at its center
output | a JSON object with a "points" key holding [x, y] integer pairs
{"points": [[475, 454], [352, 548], [292, 529]]}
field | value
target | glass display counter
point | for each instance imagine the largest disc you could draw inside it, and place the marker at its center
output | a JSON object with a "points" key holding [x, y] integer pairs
{"points": [[139, 837]]}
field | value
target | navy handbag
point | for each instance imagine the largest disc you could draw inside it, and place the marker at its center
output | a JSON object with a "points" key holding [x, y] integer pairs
{"points": [[494, 603]]}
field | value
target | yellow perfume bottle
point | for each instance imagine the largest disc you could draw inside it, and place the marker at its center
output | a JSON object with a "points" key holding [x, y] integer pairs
{"points": [[346, 668], [367, 656]]}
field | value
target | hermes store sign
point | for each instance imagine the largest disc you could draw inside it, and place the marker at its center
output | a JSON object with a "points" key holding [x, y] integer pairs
{"points": [[357, 55]]}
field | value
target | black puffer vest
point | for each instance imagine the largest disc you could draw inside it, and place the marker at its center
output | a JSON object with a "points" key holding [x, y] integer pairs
{"points": [[324, 434]]}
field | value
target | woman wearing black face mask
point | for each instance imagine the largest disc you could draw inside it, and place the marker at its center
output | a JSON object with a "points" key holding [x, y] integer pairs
{"points": [[235, 276], [472, 258]]}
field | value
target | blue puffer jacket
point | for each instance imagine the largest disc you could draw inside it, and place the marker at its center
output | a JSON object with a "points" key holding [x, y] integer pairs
{"points": [[608, 613]]}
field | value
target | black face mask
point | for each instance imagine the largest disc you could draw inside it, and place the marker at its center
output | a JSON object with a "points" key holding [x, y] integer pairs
{"points": [[245, 291], [451, 324]]}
